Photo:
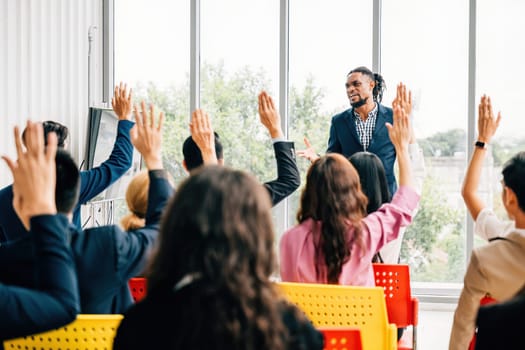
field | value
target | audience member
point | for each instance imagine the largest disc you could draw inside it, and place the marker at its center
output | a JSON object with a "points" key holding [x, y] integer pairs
{"points": [[210, 274], [92, 181], [335, 240], [362, 127], [137, 202], [106, 257], [202, 143], [499, 325], [495, 269], [373, 179], [53, 302]]}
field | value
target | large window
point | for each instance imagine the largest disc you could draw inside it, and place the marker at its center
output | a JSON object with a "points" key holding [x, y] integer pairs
{"points": [[432, 59], [240, 53], [326, 42], [500, 73]]}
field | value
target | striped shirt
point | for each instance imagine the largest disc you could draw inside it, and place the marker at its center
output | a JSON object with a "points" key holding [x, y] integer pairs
{"points": [[365, 128]]}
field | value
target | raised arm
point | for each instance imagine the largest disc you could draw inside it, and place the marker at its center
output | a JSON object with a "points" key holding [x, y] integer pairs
{"points": [[54, 302], [202, 133], [487, 126], [288, 177], [96, 180], [400, 135], [403, 99]]}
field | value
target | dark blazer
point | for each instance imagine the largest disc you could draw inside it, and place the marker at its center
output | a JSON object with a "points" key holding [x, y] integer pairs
{"points": [[54, 300], [144, 325], [345, 140], [500, 325], [92, 182], [105, 257], [288, 177]]}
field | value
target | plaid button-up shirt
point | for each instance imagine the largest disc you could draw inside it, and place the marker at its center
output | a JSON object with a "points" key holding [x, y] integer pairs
{"points": [[366, 128]]}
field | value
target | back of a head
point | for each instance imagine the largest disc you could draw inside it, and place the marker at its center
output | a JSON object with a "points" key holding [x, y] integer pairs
{"points": [[218, 230], [380, 85], [137, 201], [60, 130], [513, 175], [333, 196], [373, 179], [67, 182], [192, 154]]}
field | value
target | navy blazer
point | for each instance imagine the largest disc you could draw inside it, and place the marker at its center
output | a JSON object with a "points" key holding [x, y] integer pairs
{"points": [[288, 177], [92, 182], [54, 300], [345, 140], [105, 257]]}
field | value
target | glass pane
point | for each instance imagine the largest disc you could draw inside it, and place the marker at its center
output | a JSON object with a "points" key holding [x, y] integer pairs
{"points": [[152, 48], [432, 59], [240, 58], [326, 42], [498, 49]]}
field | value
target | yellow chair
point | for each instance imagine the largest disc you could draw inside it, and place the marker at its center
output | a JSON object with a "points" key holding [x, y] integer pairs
{"points": [[87, 332], [329, 305]]}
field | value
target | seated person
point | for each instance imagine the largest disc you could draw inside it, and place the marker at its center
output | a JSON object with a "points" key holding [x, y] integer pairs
{"points": [[201, 141], [93, 181], [374, 182], [495, 269], [499, 325], [53, 302], [137, 202], [106, 257], [210, 274], [335, 240]]}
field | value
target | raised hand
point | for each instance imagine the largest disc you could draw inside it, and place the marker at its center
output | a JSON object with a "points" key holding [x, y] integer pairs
{"points": [[400, 132], [269, 116], [308, 153], [121, 102], [203, 135], [487, 124], [34, 173], [147, 137], [403, 98]]}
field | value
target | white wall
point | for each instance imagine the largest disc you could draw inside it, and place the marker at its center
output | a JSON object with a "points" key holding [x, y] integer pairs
{"points": [[44, 67]]}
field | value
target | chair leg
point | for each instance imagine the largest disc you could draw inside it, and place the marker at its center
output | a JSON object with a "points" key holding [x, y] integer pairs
{"points": [[414, 337]]}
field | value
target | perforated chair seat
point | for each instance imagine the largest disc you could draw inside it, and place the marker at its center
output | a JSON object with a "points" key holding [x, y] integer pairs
{"points": [[402, 308], [138, 288], [87, 332], [329, 305], [345, 338]]}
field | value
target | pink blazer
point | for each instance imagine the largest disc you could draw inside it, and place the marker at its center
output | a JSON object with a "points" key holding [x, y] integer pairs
{"points": [[297, 250]]}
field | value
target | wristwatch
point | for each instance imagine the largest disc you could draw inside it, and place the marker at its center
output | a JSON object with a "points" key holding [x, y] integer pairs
{"points": [[481, 144]]}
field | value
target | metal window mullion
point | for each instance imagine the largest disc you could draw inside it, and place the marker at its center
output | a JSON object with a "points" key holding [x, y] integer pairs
{"points": [[195, 54], [284, 80]]}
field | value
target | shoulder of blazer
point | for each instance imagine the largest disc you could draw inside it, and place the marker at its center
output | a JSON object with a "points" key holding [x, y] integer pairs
{"points": [[385, 111], [342, 115]]}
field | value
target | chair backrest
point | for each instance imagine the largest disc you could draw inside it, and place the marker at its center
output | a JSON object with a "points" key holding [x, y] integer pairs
{"points": [[345, 338], [87, 332], [395, 280], [138, 288], [484, 301], [329, 305]]}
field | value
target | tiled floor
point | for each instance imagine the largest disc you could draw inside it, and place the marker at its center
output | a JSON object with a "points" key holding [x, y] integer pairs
{"points": [[435, 322]]}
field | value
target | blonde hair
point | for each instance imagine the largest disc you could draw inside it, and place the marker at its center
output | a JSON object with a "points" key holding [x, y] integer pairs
{"points": [[137, 201]]}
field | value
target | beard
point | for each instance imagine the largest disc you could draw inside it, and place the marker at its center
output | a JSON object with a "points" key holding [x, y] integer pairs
{"points": [[359, 103]]}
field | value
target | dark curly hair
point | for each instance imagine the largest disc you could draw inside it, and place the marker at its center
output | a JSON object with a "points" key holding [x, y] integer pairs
{"points": [[380, 85], [333, 198], [219, 227]]}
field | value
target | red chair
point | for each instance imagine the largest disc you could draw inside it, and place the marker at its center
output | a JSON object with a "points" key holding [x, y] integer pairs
{"points": [[484, 301], [402, 308], [138, 288], [348, 338]]}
